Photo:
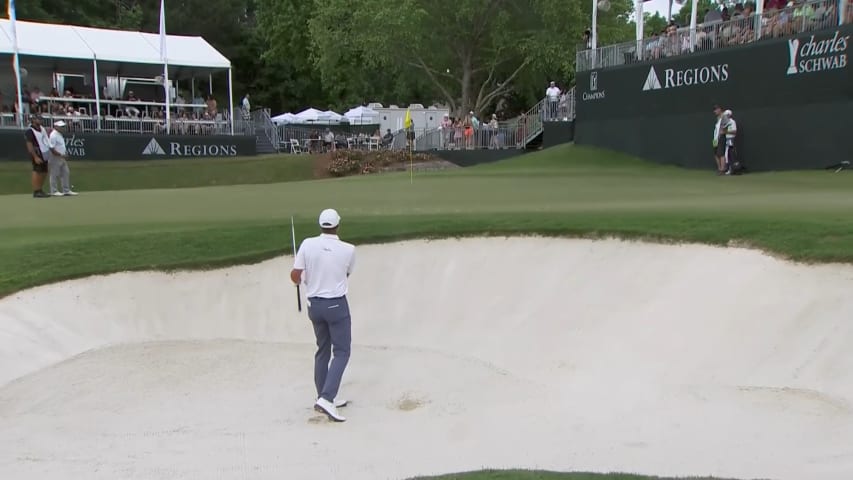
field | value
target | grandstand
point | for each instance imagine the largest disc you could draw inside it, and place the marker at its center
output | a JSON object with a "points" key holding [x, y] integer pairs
{"points": [[111, 81], [782, 68], [747, 24]]}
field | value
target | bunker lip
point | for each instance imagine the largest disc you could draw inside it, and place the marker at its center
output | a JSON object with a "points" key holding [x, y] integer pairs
{"points": [[597, 355]]}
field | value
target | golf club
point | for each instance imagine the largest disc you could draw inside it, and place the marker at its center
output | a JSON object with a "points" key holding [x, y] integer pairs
{"points": [[293, 239]]}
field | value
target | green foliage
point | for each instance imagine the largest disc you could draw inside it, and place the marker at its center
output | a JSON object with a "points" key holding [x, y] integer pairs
{"points": [[481, 55], [470, 53], [653, 24]]}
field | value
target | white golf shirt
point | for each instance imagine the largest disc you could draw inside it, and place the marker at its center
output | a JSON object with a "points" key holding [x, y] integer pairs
{"points": [[326, 262], [553, 93], [57, 142]]}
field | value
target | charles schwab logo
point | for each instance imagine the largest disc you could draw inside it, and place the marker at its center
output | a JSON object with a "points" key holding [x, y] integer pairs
{"points": [[593, 93], [686, 77], [817, 55], [178, 149], [75, 146]]}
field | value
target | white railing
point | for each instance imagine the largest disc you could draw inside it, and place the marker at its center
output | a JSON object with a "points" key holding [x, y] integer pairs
{"points": [[143, 126], [810, 16], [129, 117], [261, 120]]}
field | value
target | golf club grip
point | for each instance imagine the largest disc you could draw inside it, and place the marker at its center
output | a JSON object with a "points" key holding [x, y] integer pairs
{"points": [[298, 299]]}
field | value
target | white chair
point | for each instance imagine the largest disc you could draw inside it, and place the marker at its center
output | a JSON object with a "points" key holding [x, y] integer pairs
{"points": [[294, 146]]}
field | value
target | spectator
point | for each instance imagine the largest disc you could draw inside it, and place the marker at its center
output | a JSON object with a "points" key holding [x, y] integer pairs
{"points": [[553, 96], [247, 108], [387, 138]]}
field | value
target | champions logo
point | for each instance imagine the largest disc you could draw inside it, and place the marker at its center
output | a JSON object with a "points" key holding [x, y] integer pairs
{"points": [[673, 78], [817, 56], [593, 93]]}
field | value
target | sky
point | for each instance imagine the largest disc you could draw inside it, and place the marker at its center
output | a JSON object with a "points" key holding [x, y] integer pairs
{"points": [[661, 6]]}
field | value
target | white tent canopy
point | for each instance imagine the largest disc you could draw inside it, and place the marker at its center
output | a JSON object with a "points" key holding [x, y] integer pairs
{"points": [[333, 116], [362, 115], [312, 115], [109, 46], [285, 118]]}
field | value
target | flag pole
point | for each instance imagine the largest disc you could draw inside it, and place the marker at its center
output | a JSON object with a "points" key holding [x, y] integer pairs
{"points": [[17, 62], [164, 57]]}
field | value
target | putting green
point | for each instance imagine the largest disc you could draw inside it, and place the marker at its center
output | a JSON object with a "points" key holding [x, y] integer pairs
{"points": [[565, 190]]}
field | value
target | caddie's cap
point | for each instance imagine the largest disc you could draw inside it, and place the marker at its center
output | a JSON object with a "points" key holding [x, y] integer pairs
{"points": [[329, 218], [60, 123]]}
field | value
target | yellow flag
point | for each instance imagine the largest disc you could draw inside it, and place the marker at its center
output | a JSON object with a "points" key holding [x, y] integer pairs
{"points": [[407, 123]]}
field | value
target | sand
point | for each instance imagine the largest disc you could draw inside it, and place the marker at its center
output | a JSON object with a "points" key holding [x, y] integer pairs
{"points": [[527, 352]]}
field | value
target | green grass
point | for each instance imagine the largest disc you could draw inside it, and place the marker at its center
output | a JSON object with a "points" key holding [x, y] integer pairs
{"points": [[564, 191], [97, 176], [539, 475]]}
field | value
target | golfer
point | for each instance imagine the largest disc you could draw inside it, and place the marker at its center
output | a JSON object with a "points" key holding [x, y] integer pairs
{"points": [[38, 148], [58, 165], [323, 264]]}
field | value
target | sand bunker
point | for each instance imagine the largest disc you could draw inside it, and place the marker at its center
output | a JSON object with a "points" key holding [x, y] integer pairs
{"points": [[535, 353]]}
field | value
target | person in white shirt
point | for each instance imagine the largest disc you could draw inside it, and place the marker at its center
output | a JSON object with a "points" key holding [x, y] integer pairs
{"points": [[553, 96], [59, 172], [247, 108], [728, 129], [323, 264]]}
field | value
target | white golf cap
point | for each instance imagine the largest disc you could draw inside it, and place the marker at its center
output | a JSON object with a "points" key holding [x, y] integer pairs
{"points": [[329, 218], [59, 123]]}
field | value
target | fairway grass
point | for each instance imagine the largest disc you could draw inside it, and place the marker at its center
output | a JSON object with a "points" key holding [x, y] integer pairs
{"points": [[563, 191], [189, 172]]}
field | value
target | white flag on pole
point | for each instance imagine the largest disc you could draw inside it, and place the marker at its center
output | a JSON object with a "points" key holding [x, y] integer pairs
{"points": [[165, 59], [12, 19]]}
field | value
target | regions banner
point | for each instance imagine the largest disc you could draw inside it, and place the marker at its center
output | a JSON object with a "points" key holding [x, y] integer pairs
{"points": [[105, 147]]}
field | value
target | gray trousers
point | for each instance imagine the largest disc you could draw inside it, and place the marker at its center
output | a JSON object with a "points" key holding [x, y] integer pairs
{"points": [[57, 169], [332, 329]]}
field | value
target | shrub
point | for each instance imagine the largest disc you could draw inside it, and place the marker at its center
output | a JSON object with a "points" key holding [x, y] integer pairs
{"points": [[360, 162]]}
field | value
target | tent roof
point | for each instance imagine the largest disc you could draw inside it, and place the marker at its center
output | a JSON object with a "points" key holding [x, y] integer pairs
{"points": [[114, 46]]}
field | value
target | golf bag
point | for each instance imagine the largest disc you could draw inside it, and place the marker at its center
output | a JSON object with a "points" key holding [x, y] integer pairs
{"points": [[733, 161]]}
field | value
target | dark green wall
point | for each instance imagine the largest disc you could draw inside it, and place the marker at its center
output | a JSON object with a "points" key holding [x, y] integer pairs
{"points": [[799, 120]]}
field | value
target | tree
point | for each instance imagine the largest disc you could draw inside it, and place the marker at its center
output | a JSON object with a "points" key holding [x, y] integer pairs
{"points": [[469, 53], [653, 24]]}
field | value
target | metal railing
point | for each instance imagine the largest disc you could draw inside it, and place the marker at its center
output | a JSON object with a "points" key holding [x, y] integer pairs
{"points": [[262, 124], [142, 126], [809, 16], [515, 133], [307, 139]]}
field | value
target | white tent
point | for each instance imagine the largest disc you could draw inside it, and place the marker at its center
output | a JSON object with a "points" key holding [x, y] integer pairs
{"points": [[56, 47], [333, 117], [118, 47], [285, 118], [312, 115], [362, 116]]}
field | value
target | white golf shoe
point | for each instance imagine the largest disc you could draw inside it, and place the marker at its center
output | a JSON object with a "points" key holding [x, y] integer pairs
{"points": [[341, 403], [71, 193], [57, 194], [327, 407]]}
